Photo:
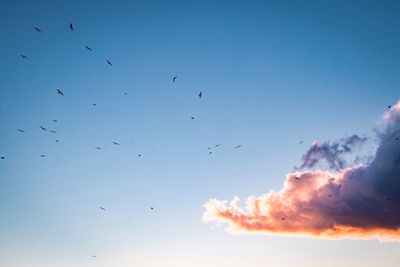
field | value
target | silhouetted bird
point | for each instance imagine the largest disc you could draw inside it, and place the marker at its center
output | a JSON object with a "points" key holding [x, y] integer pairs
{"points": [[59, 92], [209, 147], [93, 104], [297, 178], [115, 143], [52, 131], [20, 130], [210, 152], [43, 128], [174, 78], [98, 147], [94, 256], [152, 208], [42, 156], [329, 195], [37, 29], [71, 27], [23, 56], [192, 117], [389, 199], [283, 219], [55, 120], [139, 155], [2, 157], [397, 139], [299, 143], [108, 62], [57, 141], [389, 107], [103, 209], [217, 145], [238, 146], [88, 48], [200, 94]]}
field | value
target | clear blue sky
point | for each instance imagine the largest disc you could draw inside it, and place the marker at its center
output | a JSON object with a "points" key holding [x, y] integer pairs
{"points": [[272, 73]]}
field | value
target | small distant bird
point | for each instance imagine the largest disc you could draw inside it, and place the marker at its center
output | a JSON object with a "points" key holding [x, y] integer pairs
{"points": [[299, 143], [139, 155], [55, 120], [98, 148], [2, 157], [283, 219], [329, 195], [94, 256], [20, 130], [210, 152], [42, 156], [200, 94], [43, 128], [94, 104], [71, 27], [88, 48], [108, 62], [125, 93], [297, 178], [37, 29], [60, 92], [57, 141], [174, 78], [217, 145], [389, 107], [192, 117], [103, 209], [389, 199], [115, 143], [397, 139], [23, 56], [52, 131], [152, 208], [209, 147], [238, 146]]}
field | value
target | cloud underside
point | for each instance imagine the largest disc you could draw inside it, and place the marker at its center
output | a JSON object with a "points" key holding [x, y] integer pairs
{"points": [[337, 192]]}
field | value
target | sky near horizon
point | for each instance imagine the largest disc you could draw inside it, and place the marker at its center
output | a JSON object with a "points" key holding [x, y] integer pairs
{"points": [[271, 73]]}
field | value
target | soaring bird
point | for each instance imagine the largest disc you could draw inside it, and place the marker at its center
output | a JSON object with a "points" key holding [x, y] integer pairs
{"points": [[57, 141], [59, 92], [103, 209], [283, 219], [210, 152], [37, 29], [174, 78], [299, 143], [23, 56], [2, 157], [71, 27], [43, 128], [94, 256], [55, 120], [88, 48], [98, 148], [238, 146], [139, 155], [217, 145], [297, 178], [209, 147], [200, 94], [42, 156], [152, 208], [20, 130], [109, 62], [397, 139], [115, 143], [192, 117], [329, 195], [389, 107], [52, 131], [94, 104], [125, 93]]}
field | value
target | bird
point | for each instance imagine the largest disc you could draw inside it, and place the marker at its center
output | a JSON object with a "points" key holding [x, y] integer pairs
{"points": [[103, 209], [60, 92], [192, 117], [43, 128], [21, 131], [88, 48], [389, 199], [2, 157], [98, 148], [397, 139], [55, 120], [209, 147], [210, 152], [389, 107], [37, 29], [283, 219], [109, 62], [23, 56], [329, 195], [71, 27], [152, 208], [217, 145], [299, 143], [125, 93], [57, 141], [42, 156], [200, 94], [52, 131], [174, 78], [297, 178], [94, 104], [94, 256], [238, 146], [115, 143], [139, 155]]}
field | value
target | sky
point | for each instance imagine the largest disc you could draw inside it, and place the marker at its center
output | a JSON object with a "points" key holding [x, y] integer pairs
{"points": [[271, 73]]}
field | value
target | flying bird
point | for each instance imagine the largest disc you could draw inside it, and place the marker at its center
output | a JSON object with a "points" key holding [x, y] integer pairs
{"points": [[115, 143], [389, 107], [37, 29], [2, 157], [152, 208], [139, 155], [42, 156], [108, 62], [238, 146], [23, 56], [192, 117], [200, 94], [299, 143], [297, 178], [217, 145], [88, 48], [98, 148], [209, 147], [71, 27], [174, 78], [210, 152], [20, 130], [94, 104], [55, 120], [52, 131], [94, 256], [329, 195], [57, 141], [43, 128], [59, 92], [397, 139], [283, 219], [103, 209], [389, 199], [125, 93]]}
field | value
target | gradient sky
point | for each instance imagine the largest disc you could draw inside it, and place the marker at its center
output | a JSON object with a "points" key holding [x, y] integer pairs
{"points": [[272, 73]]}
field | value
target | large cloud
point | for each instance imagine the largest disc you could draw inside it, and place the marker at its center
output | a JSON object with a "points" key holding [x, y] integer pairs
{"points": [[354, 196]]}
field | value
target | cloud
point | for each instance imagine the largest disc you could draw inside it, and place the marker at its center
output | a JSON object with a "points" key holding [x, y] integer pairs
{"points": [[354, 196]]}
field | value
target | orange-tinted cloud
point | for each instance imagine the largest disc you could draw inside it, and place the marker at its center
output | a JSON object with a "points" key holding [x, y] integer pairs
{"points": [[355, 197]]}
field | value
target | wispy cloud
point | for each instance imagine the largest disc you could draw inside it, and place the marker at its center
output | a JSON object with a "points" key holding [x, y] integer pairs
{"points": [[331, 194]]}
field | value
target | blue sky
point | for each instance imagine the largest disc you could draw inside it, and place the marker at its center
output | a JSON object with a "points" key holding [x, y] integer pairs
{"points": [[271, 72]]}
